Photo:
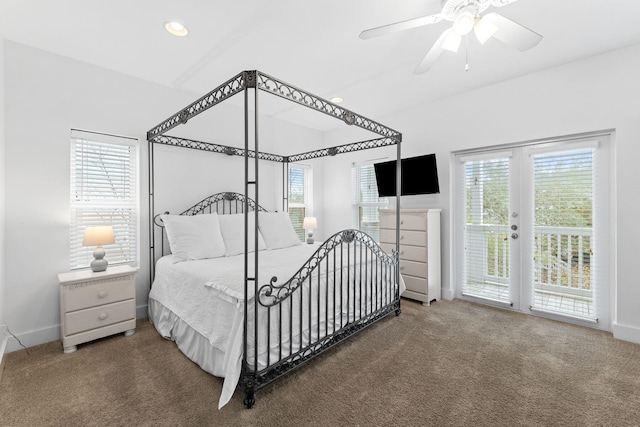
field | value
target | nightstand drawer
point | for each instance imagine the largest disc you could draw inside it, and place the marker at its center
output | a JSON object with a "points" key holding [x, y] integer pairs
{"points": [[410, 253], [412, 268], [415, 284], [99, 294], [415, 238], [92, 318]]}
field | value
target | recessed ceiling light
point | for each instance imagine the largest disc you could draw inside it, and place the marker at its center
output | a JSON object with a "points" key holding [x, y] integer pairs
{"points": [[176, 28], [336, 100]]}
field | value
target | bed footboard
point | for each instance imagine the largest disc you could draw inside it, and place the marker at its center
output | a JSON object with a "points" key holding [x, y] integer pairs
{"points": [[348, 284]]}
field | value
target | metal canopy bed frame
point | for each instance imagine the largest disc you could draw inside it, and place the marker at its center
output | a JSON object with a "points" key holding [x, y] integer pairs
{"points": [[360, 250]]}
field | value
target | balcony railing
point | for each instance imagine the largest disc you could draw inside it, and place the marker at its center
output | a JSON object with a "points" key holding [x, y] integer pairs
{"points": [[562, 259]]}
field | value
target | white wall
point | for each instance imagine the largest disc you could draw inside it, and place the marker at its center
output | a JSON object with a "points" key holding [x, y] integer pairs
{"points": [[2, 185], [47, 95], [601, 92]]}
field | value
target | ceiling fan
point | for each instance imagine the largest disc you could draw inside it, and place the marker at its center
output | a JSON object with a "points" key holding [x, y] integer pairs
{"points": [[466, 16]]}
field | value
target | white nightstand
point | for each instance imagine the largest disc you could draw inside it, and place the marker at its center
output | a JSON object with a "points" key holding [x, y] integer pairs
{"points": [[95, 305]]}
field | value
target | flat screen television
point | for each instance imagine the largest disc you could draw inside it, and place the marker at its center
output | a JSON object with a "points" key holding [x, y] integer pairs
{"points": [[419, 175]]}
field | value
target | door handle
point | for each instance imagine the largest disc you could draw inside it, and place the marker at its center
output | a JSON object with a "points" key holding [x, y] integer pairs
{"points": [[514, 236]]}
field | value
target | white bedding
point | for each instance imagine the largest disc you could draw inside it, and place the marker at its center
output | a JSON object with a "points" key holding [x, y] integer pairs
{"points": [[208, 296]]}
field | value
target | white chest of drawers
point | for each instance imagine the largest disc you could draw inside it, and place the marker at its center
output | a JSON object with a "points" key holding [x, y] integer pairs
{"points": [[95, 305], [419, 250]]}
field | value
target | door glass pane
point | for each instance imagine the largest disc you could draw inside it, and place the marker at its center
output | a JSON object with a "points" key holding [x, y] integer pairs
{"points": [[486, 236], [563, 232]]}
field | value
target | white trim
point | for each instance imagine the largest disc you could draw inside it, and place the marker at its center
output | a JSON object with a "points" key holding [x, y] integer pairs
{"points": [[626, 333], [372, 161], [4, 338], [486, 156], [52, 333], [566, 148], [103, 137], [564, 138], [447, 294]]}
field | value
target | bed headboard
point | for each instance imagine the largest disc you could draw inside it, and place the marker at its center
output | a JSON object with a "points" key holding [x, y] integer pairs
{"points": [[221, 203]]}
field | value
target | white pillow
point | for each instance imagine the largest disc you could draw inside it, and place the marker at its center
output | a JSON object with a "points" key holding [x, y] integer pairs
{"points": [[232, 227], [277, 230], [194, 236]]}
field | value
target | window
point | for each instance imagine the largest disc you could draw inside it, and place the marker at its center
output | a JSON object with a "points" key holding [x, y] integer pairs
{"points": [[365, 200], [300, 197], [104, 191]]}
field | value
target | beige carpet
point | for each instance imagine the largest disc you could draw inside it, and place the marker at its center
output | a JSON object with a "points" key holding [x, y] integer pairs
{"points": [[454, 363]]}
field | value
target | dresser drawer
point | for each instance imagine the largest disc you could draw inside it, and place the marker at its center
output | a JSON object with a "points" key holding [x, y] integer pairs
{"points": [[98, 294], [412, 268], [96, 317], [411, 253], [415, 238], [408, 220], [416, 284]]}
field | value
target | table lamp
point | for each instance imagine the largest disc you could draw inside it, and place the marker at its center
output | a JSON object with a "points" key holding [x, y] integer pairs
{"points": [[98, 236], [310, 223]]}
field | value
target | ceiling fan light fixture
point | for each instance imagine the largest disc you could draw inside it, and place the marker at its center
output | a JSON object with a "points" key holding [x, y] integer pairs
{"points": [[464, 22], [452, 42], [484, 30]]}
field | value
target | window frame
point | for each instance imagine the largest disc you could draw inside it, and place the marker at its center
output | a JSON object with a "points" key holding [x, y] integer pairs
{"points": [[307, 204], [86, 206], [356, 199]]}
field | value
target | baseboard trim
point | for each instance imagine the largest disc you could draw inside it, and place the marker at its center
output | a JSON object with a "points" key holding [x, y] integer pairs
{"points": [[626, 333], [447, 294], [142, 311], [4, 339], [52, 333]]}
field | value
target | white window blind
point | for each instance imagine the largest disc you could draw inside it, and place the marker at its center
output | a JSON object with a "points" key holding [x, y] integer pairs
{"points": [[299, 197], [564, 231], [104, 191], [365, 200], [486, 235]]}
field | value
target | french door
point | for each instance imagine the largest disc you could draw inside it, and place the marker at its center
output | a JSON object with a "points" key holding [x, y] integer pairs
{"points": [[531, 228]]}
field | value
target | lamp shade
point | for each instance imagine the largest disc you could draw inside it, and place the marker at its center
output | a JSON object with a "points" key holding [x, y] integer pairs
{"points": [[100, 235], [310, 223]]}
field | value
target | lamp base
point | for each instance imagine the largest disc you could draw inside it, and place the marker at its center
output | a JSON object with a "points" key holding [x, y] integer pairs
{"points": [[310, 238], [99, 263]]}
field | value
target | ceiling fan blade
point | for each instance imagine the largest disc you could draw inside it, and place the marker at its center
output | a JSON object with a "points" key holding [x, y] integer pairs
{"points": [[401, 26], [512, 33], [433, 55], [499, 3]]}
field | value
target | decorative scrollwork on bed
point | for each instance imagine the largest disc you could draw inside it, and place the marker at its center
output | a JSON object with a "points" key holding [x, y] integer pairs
{"points": [[272, 294], [215, 199]]}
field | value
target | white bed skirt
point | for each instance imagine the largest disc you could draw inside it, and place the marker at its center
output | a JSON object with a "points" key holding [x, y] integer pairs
{"points": [[194, 345]]}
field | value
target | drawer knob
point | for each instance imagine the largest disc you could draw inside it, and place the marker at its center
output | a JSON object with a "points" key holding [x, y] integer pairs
{"points": [[401, 222], [401, 237], [102, 294], [401, 252], [102, 316], [402, 267]]}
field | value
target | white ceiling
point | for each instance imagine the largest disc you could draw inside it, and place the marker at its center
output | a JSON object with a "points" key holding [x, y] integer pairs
{"points": [[312, 44]]}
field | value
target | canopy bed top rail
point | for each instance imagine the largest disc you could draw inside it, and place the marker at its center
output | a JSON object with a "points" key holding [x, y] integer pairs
{"points": [[346, 148], [269, 84], [284, 90], [214, 148], [226, 90], [232, 151], [271, 294]]}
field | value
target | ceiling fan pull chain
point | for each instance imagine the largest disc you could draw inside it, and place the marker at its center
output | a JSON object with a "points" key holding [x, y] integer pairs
{"points": [[466, 53]]}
